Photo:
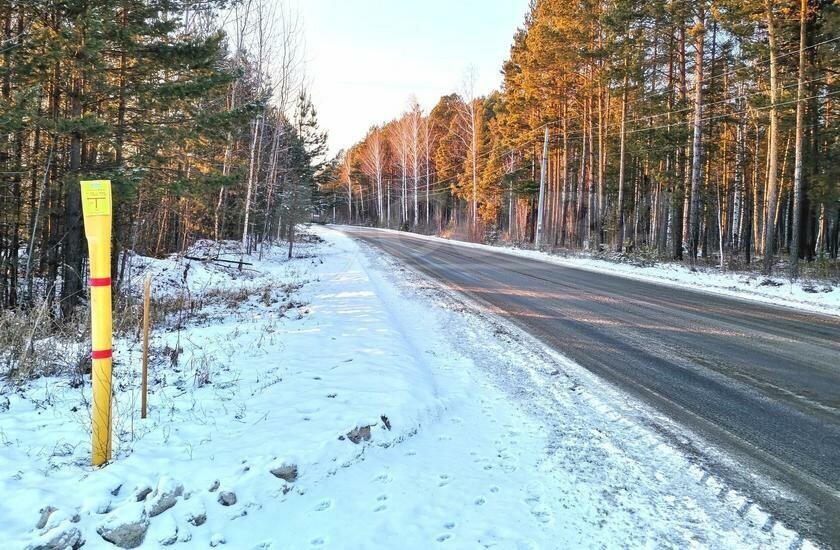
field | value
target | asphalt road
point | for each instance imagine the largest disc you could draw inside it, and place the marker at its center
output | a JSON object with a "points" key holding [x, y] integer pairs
{"points": [[760, 383]]}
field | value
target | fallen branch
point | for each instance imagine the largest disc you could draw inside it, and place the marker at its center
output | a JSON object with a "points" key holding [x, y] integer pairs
{"points": [[239, 262]]}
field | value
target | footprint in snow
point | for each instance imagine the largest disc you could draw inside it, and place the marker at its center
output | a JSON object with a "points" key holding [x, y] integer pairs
{"points": [[323, 505], [539, 512], [444, 538], [449, 525], [542, 515], [384, 478], [317, 542]]}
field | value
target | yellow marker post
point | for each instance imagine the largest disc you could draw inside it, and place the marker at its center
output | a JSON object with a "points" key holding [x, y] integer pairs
{"points": [[96, 207]]}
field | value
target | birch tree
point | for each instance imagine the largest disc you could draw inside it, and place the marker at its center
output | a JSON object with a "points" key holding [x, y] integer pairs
{"points": [[414, 123], [374, 164], [468, 121]]}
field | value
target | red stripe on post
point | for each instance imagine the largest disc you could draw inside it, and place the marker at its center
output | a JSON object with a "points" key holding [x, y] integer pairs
{"points": [[100, 354], [103, 281]]}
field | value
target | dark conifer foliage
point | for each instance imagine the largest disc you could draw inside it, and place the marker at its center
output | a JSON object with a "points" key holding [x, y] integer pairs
{"points": [[178, 111]]}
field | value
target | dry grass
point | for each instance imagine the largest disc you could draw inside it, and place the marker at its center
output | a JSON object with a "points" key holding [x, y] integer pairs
{"points": [[34, 344]]}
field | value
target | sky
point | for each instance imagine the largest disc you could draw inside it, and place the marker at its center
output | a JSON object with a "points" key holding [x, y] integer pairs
{"points": [[365, 58]]}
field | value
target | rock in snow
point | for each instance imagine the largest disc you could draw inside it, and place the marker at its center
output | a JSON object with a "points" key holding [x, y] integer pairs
{"points": [[59, 538], [126, 535], [164, 530], [165, 496], [126, 528], [45, 516], [143, 493], [197, 519], [193, 512], [357, 435], [286, 472], [227, 498], [169, 539]]}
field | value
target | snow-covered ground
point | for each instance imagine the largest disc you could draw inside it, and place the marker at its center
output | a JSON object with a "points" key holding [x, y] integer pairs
{"points": [[804, 294], [339, 401]]}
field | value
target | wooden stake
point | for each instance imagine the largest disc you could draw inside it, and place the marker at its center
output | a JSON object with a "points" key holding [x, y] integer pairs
{"points": [[147, 294]]}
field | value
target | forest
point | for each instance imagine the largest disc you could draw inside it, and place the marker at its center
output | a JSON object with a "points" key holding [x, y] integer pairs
{"points": [[196, 112], [697, 131], [672, 129]]}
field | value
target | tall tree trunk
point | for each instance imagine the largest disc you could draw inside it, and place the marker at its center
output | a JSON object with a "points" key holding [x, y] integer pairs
{"points": [[590, 182], [564, 200], [541, 208], [72, 276], [427, 152], [601, 164], [675, 215], [252, 169], [739, 199], [474, 148], [622, 138], [697, 140], [798, 187], [772, 146]]}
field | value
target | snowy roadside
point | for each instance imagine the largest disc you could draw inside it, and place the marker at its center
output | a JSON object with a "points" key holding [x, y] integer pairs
{"points": [[336, 400], [605, 478], [273, 384], [802, 295]]}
